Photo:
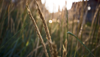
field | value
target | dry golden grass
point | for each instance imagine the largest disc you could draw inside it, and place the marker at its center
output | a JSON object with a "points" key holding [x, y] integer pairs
{"points": [[65, 49], [38, 32]]}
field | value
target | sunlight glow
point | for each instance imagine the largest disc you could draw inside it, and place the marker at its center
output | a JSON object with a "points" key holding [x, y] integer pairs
{"points": [[53, 5], [50, 21], [89, 8]]}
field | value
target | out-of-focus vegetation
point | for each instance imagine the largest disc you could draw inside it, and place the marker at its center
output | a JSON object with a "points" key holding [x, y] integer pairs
{"points": [[19, 38]]}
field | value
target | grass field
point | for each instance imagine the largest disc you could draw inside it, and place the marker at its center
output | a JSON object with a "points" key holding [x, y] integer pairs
{"points": [[24, 32]]}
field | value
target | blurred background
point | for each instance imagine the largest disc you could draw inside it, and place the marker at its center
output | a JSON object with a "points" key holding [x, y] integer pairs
{"points": [[18, 37]]}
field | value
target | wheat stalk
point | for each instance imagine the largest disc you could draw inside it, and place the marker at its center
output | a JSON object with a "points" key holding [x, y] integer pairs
{"points": [[37, 29], [46, 29], [44, 22], [65, 49]]}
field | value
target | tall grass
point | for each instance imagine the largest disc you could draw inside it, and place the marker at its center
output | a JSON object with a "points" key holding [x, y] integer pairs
{"points": [[26, 32]]}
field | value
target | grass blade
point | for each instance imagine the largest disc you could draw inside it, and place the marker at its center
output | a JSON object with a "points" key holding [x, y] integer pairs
{"points": [[80, 42]]}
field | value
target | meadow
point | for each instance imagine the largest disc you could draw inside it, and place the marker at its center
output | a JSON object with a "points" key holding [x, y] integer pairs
{"points": [[24, 32]]}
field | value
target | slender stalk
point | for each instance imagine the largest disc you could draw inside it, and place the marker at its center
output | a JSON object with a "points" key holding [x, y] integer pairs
{"points": [[38, 32], [44, 23], [90, 33], [35, 49], [67, 27], [46, 29], [72, 37], [80, 42], [67, 24], [64, 49], [37, 46]]}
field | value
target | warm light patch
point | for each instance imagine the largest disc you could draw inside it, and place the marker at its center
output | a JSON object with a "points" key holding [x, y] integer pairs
{"points": [[53, 5], [89, 8], [50, 21]]}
